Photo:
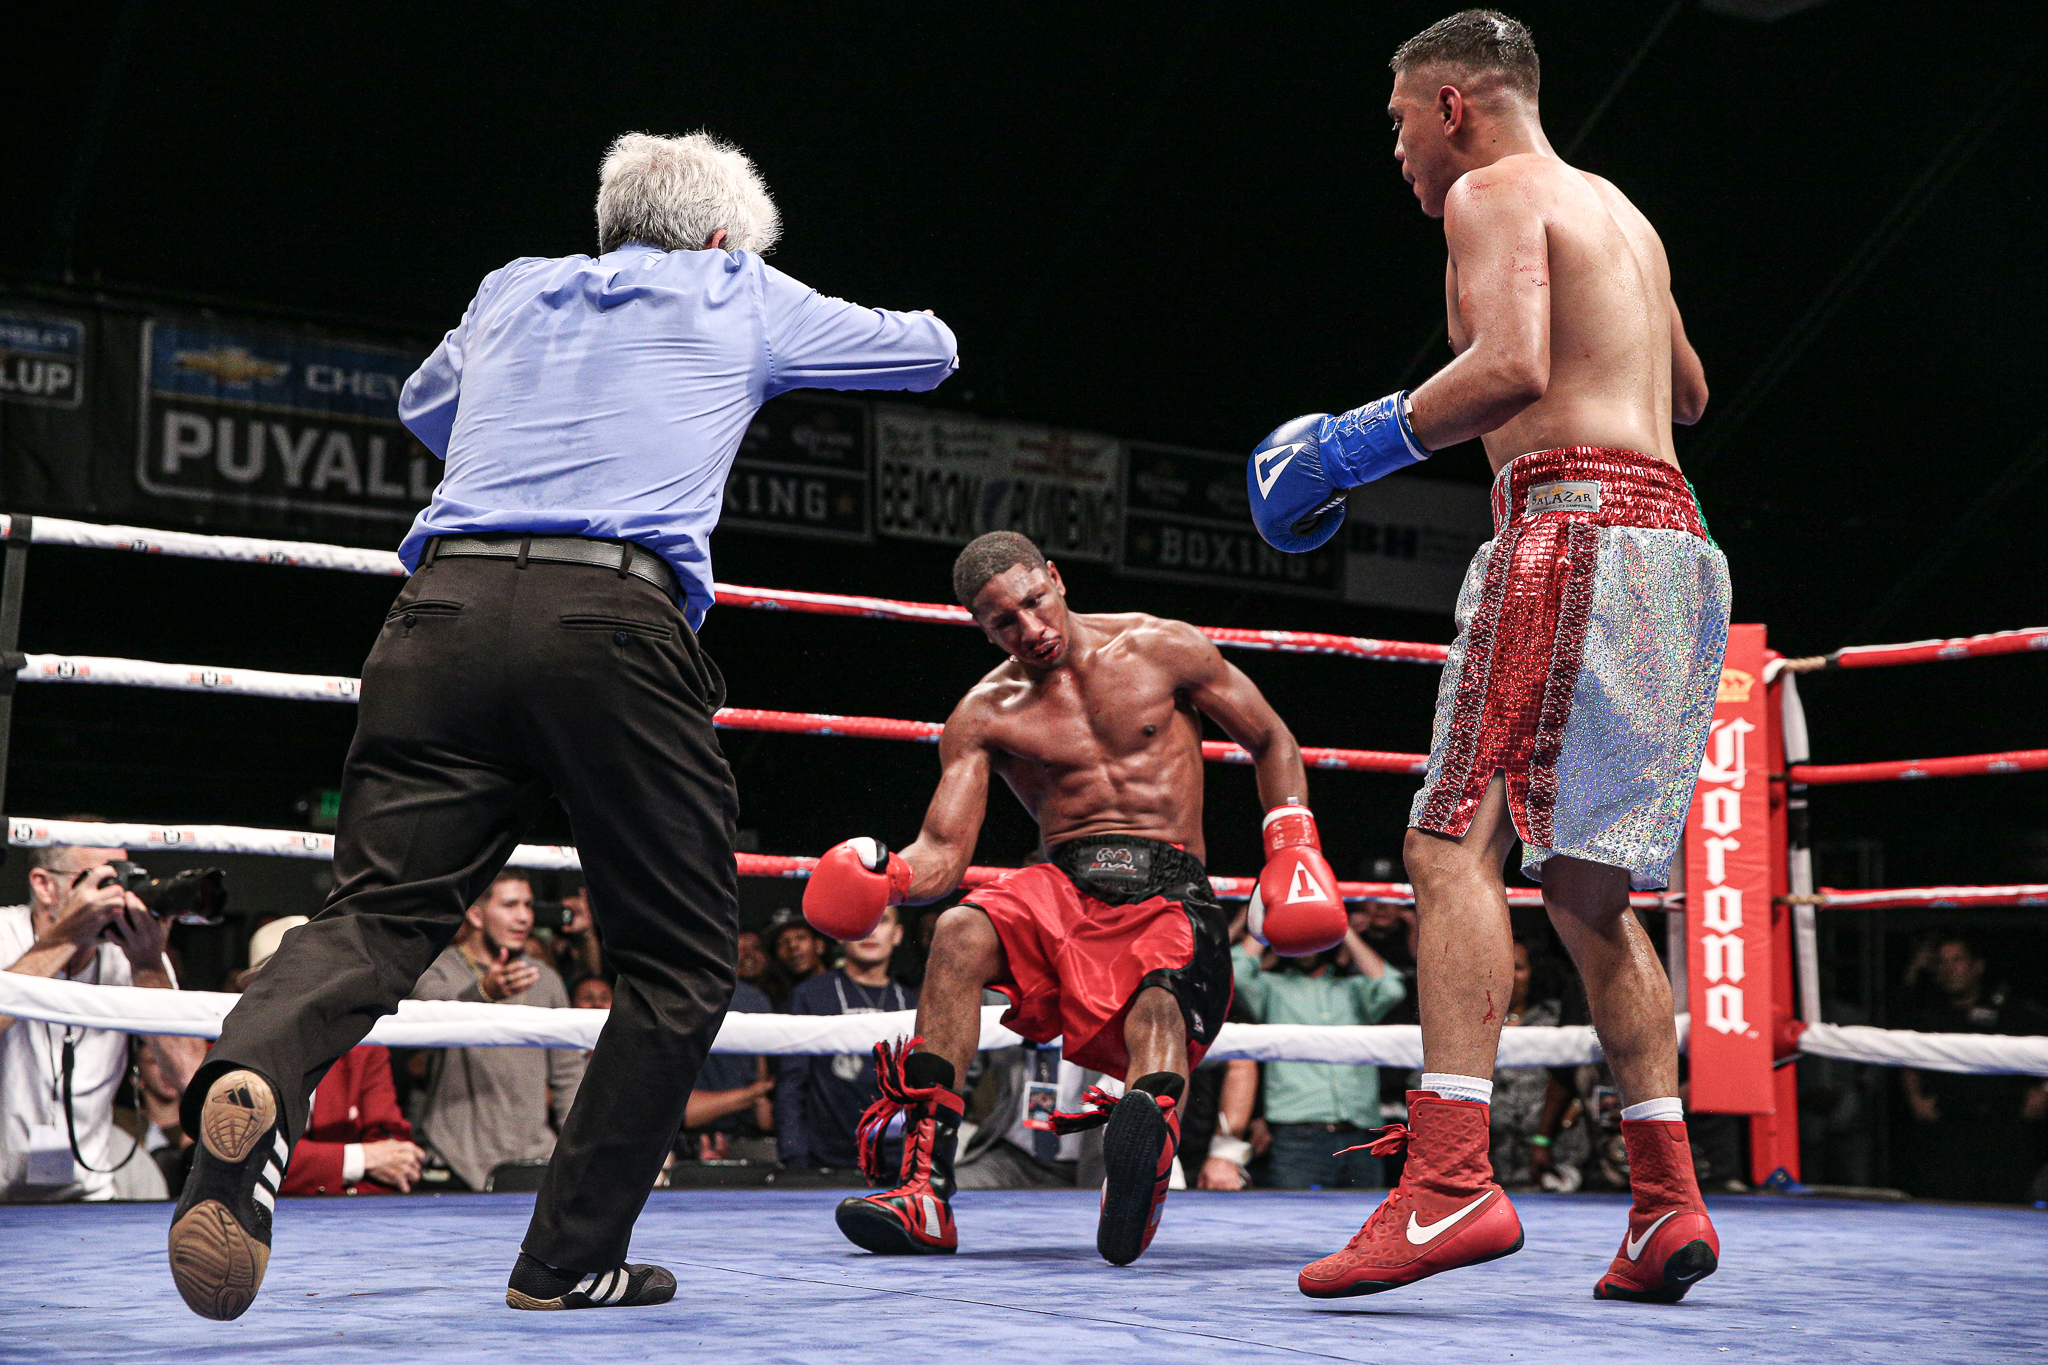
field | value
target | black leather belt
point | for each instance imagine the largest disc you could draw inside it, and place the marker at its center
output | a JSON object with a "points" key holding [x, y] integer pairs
{"points": [[622, 556]]}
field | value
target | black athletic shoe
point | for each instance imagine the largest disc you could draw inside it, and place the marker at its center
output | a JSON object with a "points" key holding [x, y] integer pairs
{"points": [[220, 1234], [540, 1287], [1137, 1157]]}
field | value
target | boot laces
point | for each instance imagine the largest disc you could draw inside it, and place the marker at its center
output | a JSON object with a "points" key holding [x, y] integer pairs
{"points": [[1100, 1105], [898, 1097], [1392, 1139]]}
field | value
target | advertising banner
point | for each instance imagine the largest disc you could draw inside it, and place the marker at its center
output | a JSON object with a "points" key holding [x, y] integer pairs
{"points": [[802, 469], [244, 417], [1188, 518], [42, 359], [1728, 894], [1410, 540], [947, 478]]}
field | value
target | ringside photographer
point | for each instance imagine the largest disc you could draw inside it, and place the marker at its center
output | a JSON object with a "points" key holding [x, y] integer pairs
{"points": [[85, 921]]}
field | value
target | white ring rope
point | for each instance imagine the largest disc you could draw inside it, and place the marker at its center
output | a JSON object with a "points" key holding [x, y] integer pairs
{"points": [[456, 1023], [244, 682], [230, 549]]}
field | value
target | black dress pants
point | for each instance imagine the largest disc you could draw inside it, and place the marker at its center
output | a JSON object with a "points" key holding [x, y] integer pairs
{"points": [[491, 687]]}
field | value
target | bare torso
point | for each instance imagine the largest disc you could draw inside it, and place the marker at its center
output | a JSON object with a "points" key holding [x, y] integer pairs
{"points": [[1611, 324], [1109, 744]]}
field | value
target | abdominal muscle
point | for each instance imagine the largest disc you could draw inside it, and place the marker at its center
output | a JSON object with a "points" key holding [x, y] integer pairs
{"points": [[1155, 796]]}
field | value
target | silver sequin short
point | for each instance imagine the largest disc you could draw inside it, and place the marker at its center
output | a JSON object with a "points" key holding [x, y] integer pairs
{"points": [[1590, 635]]}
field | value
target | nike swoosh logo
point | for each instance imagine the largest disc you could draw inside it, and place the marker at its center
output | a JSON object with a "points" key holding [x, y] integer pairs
{"points": [[1635, 1245], [1269, 468], [1418, 1235]]}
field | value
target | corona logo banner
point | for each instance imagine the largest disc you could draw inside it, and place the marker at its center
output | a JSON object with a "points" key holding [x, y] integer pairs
{"points": [[1728, 894]]}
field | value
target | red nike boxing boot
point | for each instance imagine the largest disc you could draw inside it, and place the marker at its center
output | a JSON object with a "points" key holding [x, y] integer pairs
{"points": [[1670, 1245], [915, 1217], [1137, 1159], [1447, 1211]]}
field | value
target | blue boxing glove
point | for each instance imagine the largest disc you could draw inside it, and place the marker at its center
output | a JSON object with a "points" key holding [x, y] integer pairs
{"points": [[1297, 476]]}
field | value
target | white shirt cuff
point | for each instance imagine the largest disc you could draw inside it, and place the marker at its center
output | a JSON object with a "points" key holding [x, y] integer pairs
{"points": [[352, 1162]]}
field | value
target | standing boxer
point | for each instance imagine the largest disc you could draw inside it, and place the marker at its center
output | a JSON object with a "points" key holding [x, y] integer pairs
{"points": [[1576, 701], [588, 410], [1115, 943]]}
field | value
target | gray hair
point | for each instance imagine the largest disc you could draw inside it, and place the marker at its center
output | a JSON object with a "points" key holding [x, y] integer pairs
{"points": [[673, 193]]}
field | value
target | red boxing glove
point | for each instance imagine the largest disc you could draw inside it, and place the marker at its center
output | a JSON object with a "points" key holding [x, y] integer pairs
{"points": [[851, 886], [1295, 907]]}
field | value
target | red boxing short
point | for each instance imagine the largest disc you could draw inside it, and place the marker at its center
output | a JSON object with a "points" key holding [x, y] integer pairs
{"points": [[1590, 633], [1108, 916]]}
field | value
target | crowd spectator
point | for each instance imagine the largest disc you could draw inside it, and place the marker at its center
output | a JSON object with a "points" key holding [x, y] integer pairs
{"points": [[573, 949], [1221, 1152], [1314, 1108], [755, 968], [356, 1140], [162, 1131], [818, 1100], [731, 1113], [1982, 1135], [1389, 930], [488, 1105], [798, 949], [591, 993], [80, 925], [1526, 1110]]}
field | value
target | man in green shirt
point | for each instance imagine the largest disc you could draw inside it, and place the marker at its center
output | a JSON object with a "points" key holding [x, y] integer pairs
{"points": [[1315, 1108]]}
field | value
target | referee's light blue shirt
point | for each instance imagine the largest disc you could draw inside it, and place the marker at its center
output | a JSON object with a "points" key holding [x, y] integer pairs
{"points": [[607, 397]]}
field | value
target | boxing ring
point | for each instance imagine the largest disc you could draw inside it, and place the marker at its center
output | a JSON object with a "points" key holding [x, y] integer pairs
{"points": [[765, 1275]]}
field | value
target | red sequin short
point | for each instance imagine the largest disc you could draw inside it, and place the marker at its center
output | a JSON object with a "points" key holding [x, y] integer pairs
{"points": [[1590, 635], [1084, 933]]}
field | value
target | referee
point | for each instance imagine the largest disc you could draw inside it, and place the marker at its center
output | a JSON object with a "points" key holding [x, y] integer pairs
{"points": [[588, 411]]}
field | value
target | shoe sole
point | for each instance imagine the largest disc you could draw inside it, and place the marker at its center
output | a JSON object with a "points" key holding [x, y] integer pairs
{"points": [[1131, 1147], [527, 1303], [876, 1229], [1361, 1287], [1683, 1269], [218, 1267]]}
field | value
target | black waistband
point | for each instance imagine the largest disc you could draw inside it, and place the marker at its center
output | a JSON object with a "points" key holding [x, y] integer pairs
{"points": [[1120, 869], [622, 556]]}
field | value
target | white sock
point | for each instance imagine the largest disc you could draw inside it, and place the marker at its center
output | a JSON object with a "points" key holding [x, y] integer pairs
{"points": [[1453, 1087], [1666, 1110]]}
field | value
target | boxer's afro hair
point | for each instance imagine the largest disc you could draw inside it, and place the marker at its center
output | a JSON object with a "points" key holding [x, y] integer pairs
{"points": [[989, 557], [1478, 42]]}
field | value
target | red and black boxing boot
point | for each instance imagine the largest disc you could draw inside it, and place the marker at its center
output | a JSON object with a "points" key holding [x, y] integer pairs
{"points": [[915, 1218], [1670, 1244], [1137, 1159], [1447, 1212]]}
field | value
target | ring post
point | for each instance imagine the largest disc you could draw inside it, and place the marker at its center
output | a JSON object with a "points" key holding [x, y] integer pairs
{"points": [[13, 579], [1774, 1137], [1728, 884]]}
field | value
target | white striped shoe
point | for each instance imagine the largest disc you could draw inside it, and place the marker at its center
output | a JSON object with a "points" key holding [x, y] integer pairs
{"points": [[538, 1286], [220, 1234]]}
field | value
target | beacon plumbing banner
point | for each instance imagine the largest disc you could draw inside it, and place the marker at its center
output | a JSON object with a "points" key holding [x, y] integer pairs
{"points": [[949, 478], [1728, 894], [242, 417]]}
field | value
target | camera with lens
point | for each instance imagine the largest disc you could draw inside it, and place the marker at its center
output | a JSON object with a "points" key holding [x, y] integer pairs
{"points": [[552, 915], [198, 895]]}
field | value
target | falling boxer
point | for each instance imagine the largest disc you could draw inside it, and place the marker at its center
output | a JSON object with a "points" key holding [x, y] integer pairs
{"points": [[1116, 943]]}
